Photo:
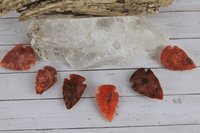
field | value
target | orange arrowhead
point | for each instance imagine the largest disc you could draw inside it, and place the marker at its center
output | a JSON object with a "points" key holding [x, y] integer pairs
{"points": [[107, 100], [19, 58], [176, 59], [45, 79]]}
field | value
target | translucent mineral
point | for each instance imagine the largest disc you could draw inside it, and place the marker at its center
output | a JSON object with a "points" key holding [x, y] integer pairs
{"points": [[89, 42]]}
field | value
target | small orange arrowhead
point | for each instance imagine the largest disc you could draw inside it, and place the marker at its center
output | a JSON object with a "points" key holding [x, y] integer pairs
{"points": [[176, 59], [107, 99]]}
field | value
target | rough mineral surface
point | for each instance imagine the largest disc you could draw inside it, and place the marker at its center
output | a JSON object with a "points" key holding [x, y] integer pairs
{"points": [[34, 8], [92, 42]]}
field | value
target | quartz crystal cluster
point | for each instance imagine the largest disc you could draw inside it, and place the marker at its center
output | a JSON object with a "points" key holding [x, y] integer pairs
{"points": [[89, 42]]}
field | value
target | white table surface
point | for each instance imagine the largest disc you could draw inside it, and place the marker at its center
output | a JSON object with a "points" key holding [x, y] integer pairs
{"points": [[22, 111]]}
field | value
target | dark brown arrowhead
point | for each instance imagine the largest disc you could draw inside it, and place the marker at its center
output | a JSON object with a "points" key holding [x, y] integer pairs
{"points": [[146, 83], [73, 90]]}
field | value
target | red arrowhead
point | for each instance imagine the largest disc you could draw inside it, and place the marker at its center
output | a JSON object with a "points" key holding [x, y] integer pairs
{"points": [[146, 83], [107, 100], [73, 90], [176, 59], [19, 58], [45, 79]]}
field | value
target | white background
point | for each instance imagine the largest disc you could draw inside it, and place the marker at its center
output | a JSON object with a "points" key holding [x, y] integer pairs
{"points": [[22, 111]]}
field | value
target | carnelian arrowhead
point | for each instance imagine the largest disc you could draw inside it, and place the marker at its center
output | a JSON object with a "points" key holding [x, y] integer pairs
{"points": [[146, 83], [107, 100], [176, 59], [45, 79], [73, 90], [19, 58]]}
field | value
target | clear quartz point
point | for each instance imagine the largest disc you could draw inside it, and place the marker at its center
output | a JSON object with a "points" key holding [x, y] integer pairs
{"points": [[89, 42]]}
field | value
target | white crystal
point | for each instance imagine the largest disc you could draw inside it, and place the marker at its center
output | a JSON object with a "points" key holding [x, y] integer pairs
{"points": [[91, 42]]}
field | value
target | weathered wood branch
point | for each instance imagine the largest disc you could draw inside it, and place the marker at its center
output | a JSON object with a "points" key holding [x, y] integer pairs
{"points": [[7, 6], [34, 8]]}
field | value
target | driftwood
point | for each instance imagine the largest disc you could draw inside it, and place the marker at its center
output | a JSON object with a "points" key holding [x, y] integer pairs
{"points": [[7, 6], [34, 8]]}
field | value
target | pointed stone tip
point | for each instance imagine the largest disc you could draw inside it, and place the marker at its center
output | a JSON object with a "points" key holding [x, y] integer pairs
{"points": [[109, 118], [160, 98]]}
